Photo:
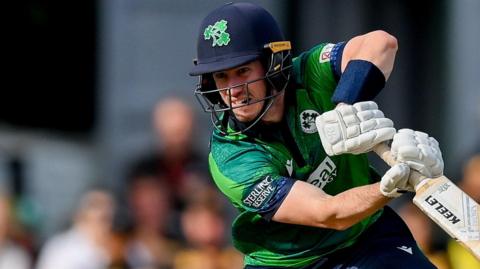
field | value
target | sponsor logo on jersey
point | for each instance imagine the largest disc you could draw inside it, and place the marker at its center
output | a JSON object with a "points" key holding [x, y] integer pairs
{"points": [[307, 121], [289, 166], [324, 174], [260, 193], [326, 53]]}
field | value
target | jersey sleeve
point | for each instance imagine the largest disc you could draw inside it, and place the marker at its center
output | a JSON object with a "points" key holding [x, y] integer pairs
{"points": [[251, 181], [319, 70]]}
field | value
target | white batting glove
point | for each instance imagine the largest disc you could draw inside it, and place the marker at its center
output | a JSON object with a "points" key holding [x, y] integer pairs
{"points": [[395, 181], [353, 128], [421, 152]]}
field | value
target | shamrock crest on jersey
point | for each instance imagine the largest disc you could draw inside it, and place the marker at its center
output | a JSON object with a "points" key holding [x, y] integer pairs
{"points": [[218, 33], [307, 121]]}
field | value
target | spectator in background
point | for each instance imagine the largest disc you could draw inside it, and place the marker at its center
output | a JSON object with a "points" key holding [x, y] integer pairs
{"points": [[471, 178], [148, 245], [203, 224], [12, 255], [174, 157], [421, 227], [458, 255], [87, 243]]}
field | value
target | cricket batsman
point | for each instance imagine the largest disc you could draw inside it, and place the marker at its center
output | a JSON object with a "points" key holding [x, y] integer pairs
{"points": [[306, 202]]}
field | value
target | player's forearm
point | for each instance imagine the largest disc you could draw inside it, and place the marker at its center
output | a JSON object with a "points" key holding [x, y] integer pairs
{"points": [[308, 205], [353, 205]]}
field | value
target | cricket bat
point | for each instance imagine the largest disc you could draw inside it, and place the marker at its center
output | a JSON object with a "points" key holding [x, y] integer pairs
{"points": [[443, 202]]}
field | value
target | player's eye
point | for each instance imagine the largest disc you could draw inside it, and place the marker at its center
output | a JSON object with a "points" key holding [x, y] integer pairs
{"points": [[219, 76], [243, 70]]}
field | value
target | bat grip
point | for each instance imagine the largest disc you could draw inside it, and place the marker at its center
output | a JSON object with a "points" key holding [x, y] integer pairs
{"points": [[383, 151]]}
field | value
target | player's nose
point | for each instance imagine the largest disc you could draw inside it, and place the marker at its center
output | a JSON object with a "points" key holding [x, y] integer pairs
{"points": [[237, 92], [237, 88]]}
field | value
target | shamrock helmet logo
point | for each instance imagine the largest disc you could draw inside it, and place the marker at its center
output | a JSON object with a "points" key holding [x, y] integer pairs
{"points": [[218, 33]]}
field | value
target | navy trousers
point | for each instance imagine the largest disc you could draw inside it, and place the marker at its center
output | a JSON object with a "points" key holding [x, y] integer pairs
{"points": [[388, 243]]}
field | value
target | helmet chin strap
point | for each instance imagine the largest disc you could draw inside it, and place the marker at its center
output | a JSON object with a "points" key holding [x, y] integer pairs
{"points": [[266, 106]]}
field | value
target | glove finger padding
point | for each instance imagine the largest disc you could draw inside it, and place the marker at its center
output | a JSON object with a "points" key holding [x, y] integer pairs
{"points": [[419, 151], [395, 181], [373, 124], [354, 128], [370, 114], [365, 106]]}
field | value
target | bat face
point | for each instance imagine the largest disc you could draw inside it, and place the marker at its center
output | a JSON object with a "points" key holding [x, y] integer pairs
{"points": [[443, 202], [452, 209]]}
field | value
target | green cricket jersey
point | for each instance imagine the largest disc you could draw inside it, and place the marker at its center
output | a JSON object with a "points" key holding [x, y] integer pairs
{"points": [[257, 172]]}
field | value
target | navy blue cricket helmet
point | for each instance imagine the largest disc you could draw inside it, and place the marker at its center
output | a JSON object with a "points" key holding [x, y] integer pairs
{"points": [[232, 35]]}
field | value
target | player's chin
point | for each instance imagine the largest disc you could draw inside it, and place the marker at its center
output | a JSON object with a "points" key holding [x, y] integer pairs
{"points": [[246, 114]]}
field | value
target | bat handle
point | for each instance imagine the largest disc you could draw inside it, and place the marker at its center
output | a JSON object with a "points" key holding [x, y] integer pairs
{"points": [[383, 151]]}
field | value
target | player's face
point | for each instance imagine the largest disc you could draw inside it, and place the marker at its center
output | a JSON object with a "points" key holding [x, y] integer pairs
{"points": [[239, 92]]}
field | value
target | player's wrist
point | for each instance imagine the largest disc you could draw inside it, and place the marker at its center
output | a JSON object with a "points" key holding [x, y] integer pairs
{"points": [[361, 80]]}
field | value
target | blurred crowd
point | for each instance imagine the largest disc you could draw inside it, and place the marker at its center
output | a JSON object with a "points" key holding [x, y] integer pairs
{"points": [[168, 214], [171, 216]]}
